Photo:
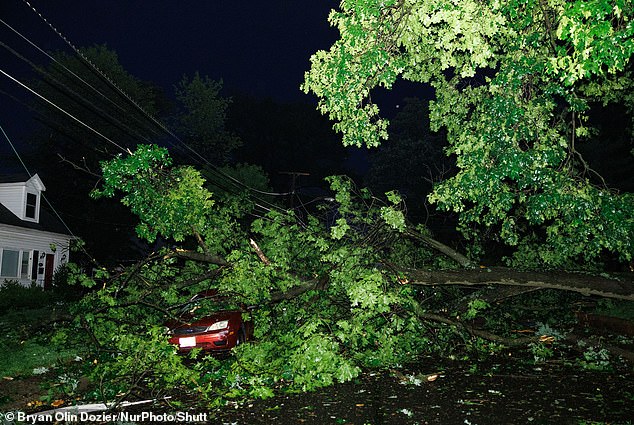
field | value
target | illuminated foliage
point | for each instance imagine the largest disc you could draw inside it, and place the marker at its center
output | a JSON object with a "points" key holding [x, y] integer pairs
{"points": [[514, 85], [325, 305]]}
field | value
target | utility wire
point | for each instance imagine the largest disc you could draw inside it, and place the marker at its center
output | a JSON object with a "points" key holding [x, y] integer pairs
{"points": [[49, 77], [17, 154], [65, 90], [217, 183], [145, 113], [70, 115], [258, 202], [41, 117], [89, 65], [70, 232], [64, 67], [62, 110]]}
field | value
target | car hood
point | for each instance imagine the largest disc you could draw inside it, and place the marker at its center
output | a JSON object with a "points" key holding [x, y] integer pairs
{"points": [[218, 316]]}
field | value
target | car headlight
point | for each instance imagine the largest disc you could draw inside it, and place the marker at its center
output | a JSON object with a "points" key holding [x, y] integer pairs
{"points": [[223, 324]]}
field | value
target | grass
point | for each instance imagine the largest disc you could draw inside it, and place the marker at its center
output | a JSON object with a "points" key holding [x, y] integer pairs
{"points": [[28, 356], [28, 324], [34, 359]]}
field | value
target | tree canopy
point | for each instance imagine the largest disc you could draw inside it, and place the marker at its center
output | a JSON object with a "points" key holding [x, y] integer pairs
{"points": [[201, 118], [515, 84]]}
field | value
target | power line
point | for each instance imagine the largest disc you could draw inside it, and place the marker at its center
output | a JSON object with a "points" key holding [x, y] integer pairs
{"points": [[93, 68], [48, 202], [64, 67], [17, 154], [143, 111], [42, 117], [65, 90], [25, 86], [215, 169], [229, 190], [62, 110]]}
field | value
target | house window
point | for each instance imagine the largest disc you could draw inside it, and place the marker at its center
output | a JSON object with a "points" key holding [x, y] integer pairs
{"points": [[14, 263], [24, 270], [9, 264], [31, 204]]}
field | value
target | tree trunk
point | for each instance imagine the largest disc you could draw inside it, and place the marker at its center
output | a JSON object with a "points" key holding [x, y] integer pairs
{"points": [[618, 287]]}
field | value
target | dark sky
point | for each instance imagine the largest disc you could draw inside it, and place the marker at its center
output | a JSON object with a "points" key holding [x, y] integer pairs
{"points": [[261, 48]]}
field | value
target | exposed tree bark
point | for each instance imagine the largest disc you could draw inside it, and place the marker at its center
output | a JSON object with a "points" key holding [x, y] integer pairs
{"points": [[583, 283], [197, 256], [258, 251], [440, 247]]}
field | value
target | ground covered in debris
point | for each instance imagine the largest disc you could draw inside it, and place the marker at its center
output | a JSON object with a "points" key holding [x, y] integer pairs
{"points": [[508, 389], [511, 392]]}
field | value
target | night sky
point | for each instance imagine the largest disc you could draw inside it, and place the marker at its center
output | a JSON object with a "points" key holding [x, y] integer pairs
{"points": [[257, 48], [260, 47]]}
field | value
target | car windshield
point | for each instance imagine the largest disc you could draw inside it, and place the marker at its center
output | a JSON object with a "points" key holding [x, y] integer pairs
{"points": [[204, 304]]}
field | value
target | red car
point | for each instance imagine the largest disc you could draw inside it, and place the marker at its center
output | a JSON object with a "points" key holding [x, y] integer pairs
{"points": [[218, 332]]}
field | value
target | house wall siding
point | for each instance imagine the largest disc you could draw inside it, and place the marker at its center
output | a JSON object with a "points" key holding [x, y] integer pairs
{"points": [[15, 238], [12, 197]]}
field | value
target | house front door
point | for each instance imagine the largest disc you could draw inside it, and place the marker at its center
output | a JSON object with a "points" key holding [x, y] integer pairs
{"points": [[48, 271]]}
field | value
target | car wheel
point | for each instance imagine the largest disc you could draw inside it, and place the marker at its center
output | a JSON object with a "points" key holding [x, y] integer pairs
{"points": [[241, 336]]}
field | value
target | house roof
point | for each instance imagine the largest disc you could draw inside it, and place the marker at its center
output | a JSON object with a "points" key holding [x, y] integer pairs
{"points": [[48, 222], [23, 178], [14, 178]]}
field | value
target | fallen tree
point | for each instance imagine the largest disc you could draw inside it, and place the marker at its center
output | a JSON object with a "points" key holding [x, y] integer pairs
{"points": [[616, 285], [330, 298]]}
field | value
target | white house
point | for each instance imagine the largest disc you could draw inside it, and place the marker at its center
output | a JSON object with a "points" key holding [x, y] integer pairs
{"points": [[33, 242]]}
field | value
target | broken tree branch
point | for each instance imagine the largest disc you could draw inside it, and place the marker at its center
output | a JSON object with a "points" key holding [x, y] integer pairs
{"points": [[493, 295], [509, 342], [259, 252], [305, 286], [83, 168], [441, 247], [197, 256], [200, 241], [582, 283]]}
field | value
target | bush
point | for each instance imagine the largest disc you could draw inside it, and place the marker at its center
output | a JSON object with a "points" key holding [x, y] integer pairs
{"points": [[14, 296], [63, 288]]}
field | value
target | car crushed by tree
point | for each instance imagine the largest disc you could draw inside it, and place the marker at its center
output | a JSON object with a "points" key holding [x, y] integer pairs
{"points": [[216, 330]]}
